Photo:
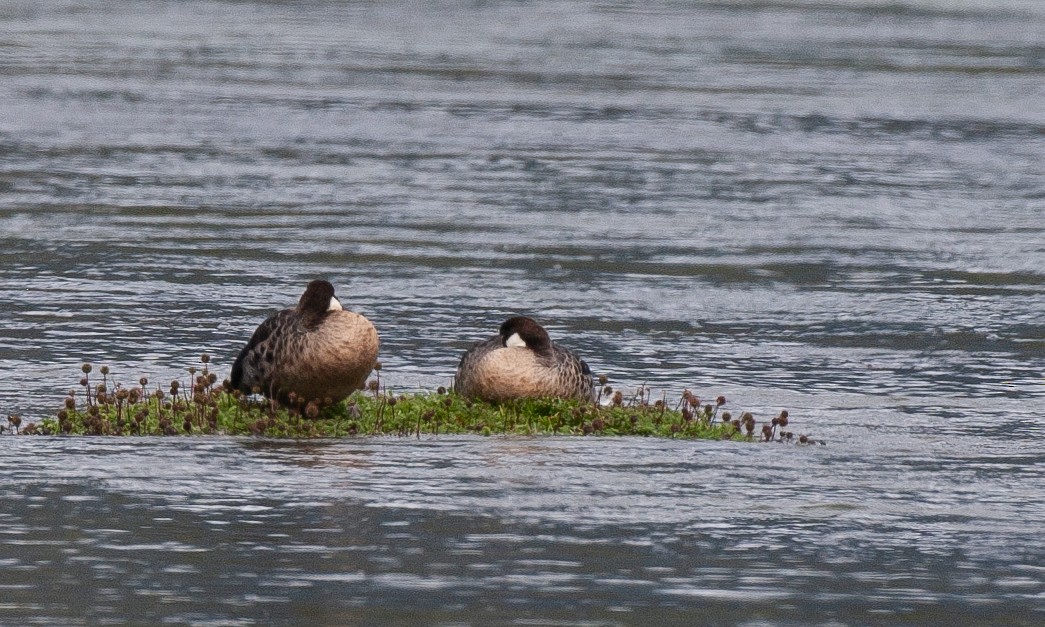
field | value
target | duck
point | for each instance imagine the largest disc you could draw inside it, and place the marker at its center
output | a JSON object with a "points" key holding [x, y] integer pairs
{"points": [[316, 351], [521, 361]]}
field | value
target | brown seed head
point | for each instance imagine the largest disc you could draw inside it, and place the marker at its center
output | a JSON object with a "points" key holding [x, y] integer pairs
{"points": [[86, 368]]}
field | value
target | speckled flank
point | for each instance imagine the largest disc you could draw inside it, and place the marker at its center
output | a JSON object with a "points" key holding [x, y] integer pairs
{"points": [[316, 355], [495, 372]]}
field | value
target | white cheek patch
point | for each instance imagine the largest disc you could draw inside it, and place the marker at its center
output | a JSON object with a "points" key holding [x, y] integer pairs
{"points": [[515, 340], [335, 305]]}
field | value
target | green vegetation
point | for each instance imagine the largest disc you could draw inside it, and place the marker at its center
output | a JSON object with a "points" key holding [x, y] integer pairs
{"points": [[105, 407]]}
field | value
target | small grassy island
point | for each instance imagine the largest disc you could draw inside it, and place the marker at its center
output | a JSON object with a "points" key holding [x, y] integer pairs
{"points": [[103, 406]]}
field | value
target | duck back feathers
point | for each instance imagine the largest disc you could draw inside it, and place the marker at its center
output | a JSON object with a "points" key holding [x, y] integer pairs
{"points": [[316, 351], [522, 362]]}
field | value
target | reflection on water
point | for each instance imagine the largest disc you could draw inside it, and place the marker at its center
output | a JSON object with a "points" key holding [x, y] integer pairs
{"points": [[832, 207]]}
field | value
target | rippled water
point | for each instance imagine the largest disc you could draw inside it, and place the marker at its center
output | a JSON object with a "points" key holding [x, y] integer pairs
{"points": [[522, 530], [836, 207]]}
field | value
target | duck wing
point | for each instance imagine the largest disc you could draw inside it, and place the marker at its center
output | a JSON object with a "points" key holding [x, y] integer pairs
{"points": [[248, 369], [574, 375]]}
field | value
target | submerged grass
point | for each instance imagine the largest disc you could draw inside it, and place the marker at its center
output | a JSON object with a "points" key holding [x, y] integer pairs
{"points": [[107, 407]]}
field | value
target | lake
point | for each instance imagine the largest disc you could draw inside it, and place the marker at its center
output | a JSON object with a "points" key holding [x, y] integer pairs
{"points": [[832, 207]]}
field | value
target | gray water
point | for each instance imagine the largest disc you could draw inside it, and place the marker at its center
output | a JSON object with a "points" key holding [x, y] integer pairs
{"points": [[833, 207]]}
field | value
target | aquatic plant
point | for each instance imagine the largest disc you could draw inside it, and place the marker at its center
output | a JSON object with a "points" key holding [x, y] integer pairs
{"points": [[205, 406]]}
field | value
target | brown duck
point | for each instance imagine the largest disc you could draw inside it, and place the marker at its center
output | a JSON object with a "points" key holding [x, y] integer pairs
{"points": [[522, 362], [316, 351]]}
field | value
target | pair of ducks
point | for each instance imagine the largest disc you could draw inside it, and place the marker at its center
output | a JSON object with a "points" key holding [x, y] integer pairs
{"points": [[319, 350]]}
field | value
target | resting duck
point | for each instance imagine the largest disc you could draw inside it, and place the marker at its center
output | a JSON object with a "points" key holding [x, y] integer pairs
{"points": [[316, 351], [522, 362]]}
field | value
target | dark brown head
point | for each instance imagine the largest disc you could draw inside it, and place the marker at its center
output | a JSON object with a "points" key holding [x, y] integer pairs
{"points": [[318, 299], [524, 331]]}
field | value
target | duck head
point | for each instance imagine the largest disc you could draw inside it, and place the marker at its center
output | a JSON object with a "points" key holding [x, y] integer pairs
{"points": [[525, 332], [318, 299]]}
